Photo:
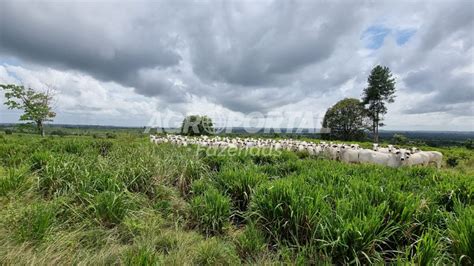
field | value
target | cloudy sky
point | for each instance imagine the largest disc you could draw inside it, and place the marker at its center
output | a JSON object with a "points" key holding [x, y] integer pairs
{"points": [[123, 62]]}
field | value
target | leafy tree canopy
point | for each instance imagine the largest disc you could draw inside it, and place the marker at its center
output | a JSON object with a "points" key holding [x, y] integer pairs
{"points": [[36, 105], [346, 120], [195, 125]]}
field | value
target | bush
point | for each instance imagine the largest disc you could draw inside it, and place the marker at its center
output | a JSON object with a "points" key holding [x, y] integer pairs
{"points": [[210, 212], [109, 135], [452, 161], [58, 132], [8, 132]]}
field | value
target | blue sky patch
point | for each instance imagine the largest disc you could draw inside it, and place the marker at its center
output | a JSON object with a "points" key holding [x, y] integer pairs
{"points": [[403, 36], [374, 36]]}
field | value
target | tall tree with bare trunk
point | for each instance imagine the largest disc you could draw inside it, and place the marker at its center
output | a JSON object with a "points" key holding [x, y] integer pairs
{"points": [[379, 92]]}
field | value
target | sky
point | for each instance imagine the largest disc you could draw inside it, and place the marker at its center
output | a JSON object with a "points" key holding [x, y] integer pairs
{"points": [[125, 62]]}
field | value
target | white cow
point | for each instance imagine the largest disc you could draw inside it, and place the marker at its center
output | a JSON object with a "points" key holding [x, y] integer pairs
{"points": [[419, 158], [435, 157], [376, 147], [332, 151], [381, 158], [348, 155]]}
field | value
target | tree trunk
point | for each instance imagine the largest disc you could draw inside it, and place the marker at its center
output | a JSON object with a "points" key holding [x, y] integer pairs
{"points": [[374, 131], [39, 124], [376, 136]]}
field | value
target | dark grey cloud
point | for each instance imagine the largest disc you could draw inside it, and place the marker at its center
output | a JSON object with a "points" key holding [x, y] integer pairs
{"points": [[274, 40], [111, 46]]}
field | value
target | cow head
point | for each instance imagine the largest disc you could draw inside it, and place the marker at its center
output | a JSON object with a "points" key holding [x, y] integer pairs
{"points": [[401, 155]]}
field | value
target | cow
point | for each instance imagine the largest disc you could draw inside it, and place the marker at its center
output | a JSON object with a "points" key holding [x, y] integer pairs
{"points": [[348, 155], [419, 158], [381, 158]]}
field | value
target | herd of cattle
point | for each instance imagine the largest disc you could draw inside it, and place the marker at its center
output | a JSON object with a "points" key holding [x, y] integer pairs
{"points": [[351, 153]]}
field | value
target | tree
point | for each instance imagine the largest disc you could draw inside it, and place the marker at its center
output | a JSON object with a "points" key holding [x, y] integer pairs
{"points": [[380, 90], [347, 120], [36, 105], [399, 139], [195, 125]]}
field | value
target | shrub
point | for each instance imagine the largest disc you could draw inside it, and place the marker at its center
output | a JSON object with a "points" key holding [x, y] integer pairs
{"points": [[58, 132], [8, 132], [210, 212], [452, 161], [36, 222], [109, 135]]}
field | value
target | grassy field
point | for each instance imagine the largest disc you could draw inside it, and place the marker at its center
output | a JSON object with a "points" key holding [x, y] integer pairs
{"points": [[122, 200]]}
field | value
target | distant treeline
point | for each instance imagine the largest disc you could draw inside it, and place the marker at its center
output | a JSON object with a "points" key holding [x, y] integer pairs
{"points": [[430, 138]]}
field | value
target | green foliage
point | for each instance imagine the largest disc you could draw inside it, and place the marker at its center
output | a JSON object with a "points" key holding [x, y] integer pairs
{"points": [[251, 242], [399, 139], [79, 200], [469, 144], [239, 185], [210, 212], [452, 161], [429, 249], [347, 120], [35, 222], [379, 92], [195, 125], [110, 207], [36, 105], [39, 160], [8, 132], [12, 180], [461, 234]]}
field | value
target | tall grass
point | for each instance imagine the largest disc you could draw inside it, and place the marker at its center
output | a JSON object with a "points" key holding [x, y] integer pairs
{"points": [[124, 201], [210, 212]]}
